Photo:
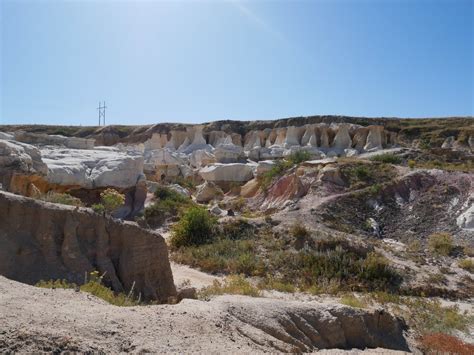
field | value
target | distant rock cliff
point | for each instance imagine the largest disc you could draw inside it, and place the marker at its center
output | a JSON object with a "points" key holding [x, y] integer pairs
{"points": [[43, 241]]}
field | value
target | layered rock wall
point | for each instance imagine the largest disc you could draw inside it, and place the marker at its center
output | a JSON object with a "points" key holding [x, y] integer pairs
{"points": [[43, 241]]}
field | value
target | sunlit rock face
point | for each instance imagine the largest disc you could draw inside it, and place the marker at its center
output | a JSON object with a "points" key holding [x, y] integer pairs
{"points": [[92, 168], [228, 172], [20, 165], [319, 139]]}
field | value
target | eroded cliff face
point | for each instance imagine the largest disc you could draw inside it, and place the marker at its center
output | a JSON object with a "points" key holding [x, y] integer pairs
{"points": [[43, 241]]}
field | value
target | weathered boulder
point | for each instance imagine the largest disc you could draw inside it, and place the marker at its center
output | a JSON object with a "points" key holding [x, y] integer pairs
{"points": [[20, 165], [92, 168], [264, 166], [332, 174], [201, 157], [228, 152], [208, 191], [44, 241], [227, 172], [250, 188], [163, 163]]}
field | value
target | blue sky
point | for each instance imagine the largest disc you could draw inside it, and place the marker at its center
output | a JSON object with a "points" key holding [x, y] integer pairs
{"points": [[196, 61]]}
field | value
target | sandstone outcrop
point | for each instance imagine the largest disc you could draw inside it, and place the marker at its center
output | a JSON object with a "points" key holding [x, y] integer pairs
{"points": [[208, 191], [43, 241], [302, 327], [92, 168], [227, 172]]}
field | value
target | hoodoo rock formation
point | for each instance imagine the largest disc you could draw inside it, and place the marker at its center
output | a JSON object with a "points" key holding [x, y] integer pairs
{"points": [[45, 241]]}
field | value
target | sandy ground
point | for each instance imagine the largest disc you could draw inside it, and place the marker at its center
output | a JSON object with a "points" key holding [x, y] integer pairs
{"points": [[33, 319]]}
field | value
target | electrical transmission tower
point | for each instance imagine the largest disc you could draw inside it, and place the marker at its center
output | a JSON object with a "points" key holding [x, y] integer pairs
{"points": [[101, 112]]}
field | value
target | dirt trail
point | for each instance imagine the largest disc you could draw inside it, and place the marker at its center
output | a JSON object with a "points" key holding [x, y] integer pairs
{"points": [[34, 319]]}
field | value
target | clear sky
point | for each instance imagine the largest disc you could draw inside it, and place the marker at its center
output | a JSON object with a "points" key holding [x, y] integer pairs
{"points": [[196, 61]]}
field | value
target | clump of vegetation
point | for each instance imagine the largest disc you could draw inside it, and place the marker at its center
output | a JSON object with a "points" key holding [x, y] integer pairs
{"points": [[441, 244], [282, 166], [387, 158], [280, 262], [353, 301], [429, 316], [196, 227], [95, 287], [62, 198], [439, 343], [411, 163], [299, 157], [98, 208], [467, 264], [168, 203], [277, 170], [360, 174], [112, 199], [234, 284]]}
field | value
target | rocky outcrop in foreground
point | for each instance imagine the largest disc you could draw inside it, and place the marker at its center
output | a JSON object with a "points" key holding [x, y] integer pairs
{"points": [[44, 241], [226, 324]]}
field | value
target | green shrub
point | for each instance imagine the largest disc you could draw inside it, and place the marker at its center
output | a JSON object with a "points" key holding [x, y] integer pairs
{"points": [[195, 227], [388, 158], [62, 198], [362, 172], [441, 243], [112, 199], [411, 164], [234, 284], [98, 208], [169, 203]]}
